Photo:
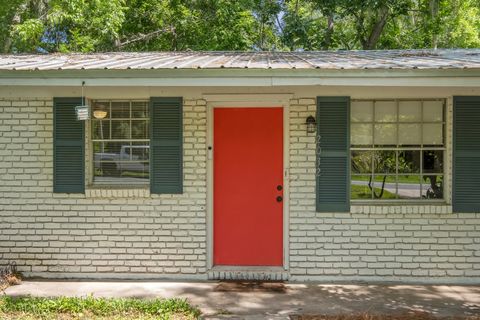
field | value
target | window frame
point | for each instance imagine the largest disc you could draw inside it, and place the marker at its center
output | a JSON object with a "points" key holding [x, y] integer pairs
{"points": [[397, 148], [91, 141]]}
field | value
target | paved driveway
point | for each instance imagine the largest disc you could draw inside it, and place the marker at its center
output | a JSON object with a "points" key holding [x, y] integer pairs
{"points": [[270, 304]]}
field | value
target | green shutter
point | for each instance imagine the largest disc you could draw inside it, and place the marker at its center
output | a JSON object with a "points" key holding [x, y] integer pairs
{"points": [[466, 154], [68, 147], [166, 145], [333, 156]]}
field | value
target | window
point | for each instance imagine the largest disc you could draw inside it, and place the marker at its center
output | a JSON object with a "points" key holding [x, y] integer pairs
{"points": [[397, 149], [121, 142]]}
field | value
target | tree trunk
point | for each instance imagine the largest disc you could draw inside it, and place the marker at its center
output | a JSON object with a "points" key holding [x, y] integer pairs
{"points": [[377, 196], [433, 16], [329, 33], [292, 44], [377, 29], [360, 28], [37, 8], [174, 39], [16, 19]]}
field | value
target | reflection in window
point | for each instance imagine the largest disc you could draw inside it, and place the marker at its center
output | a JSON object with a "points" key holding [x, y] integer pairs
{"points": [[361, 189], [409, 134], [408, 161], [384, 186], [385, 111], [433, 161], [120, 141], [432, 187], [397, 149], [362, 162], [384, 162], [385, 134], [363, 111], [361, 134], [410, 111]]}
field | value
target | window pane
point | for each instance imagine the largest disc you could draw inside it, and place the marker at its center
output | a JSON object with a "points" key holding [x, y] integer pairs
{"points": [[410, 111], [140, 129], [134, 171], [385, 111], [101, 129], [106, 158], [361, 111], [361, 161], [409, 161], [432, 111], [118, 161], [135, 162], [384, 187], [140, 151], [107, 147], [409, 134], [121, 109], [432, 134], [139, 109], [106, 171], [432, 187], [408, 187], [386, 134], [433, 161], [361, 134], [359, 188], [384, 162], [120, 129]]}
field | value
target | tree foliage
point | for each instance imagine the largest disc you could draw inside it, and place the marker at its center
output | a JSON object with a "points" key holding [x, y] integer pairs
{"points": [[145, 25]]}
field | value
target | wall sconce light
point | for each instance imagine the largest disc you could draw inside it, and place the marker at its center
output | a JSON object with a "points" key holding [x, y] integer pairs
{"points": [[100, 113], [311, 124]]}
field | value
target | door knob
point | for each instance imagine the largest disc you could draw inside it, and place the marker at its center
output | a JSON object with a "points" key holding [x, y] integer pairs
{"points": [[279, 187], [279, 199]]}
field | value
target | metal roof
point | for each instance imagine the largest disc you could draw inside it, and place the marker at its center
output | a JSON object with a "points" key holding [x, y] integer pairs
{"points": [[331, 60]]}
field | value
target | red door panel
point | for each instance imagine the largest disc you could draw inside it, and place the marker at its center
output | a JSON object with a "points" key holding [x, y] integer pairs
{"points": [[248, 168]]}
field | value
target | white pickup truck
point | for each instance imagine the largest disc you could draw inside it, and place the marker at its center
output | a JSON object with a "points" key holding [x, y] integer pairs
{"points": [[130, 158]]}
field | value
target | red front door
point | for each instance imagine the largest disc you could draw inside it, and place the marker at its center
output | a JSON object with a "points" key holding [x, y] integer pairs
{"points": [[248, 186]]}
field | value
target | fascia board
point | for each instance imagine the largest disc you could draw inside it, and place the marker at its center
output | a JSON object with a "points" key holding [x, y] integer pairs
{"points": [[243, 77]]}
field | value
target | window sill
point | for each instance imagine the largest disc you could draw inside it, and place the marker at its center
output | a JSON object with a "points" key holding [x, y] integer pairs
{"points": [[369, 207], [117, 186], [117, 191]]}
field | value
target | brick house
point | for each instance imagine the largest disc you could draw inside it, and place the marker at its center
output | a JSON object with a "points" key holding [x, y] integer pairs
{"points": [[320, 166]]}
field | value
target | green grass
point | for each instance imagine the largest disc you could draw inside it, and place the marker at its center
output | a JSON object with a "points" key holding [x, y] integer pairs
{"points": [[363, 192], [67, 308]]}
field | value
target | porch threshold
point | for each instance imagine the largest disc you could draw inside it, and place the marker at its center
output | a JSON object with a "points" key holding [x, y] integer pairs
{"points": [[256, 273]]}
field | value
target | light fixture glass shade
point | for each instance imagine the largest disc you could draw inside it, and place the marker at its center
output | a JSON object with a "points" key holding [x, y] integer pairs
{"points": [[99, 114]]}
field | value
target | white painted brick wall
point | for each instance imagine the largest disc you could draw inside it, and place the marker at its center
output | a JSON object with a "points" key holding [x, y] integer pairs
{"points": [[128, 233], [123, 231], [424, 243]]}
